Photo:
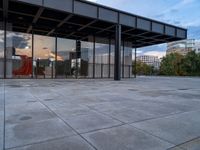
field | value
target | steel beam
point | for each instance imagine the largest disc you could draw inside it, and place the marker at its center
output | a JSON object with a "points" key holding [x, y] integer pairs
{"points": [[60, 24], [117, 70], [35, 19]]}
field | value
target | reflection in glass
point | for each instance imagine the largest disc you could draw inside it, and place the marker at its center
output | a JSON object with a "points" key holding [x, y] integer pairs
{"points": [[68, 62], [112, 60], [127, 60], [102, 60], [44, 56], [86, 66], [66, 58], [18, 55]]}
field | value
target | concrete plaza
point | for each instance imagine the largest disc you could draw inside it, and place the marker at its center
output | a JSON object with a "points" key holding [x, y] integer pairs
{"points": [[147, 113]]}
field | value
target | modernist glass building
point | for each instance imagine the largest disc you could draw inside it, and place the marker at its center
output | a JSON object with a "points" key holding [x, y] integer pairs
{"points": [[74, 39]]}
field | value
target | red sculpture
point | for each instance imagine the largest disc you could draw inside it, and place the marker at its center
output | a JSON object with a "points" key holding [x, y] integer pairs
{"points": [[26, 68]]}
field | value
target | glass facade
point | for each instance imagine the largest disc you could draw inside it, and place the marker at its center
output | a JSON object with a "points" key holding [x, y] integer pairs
{"points": [[37, 56]]}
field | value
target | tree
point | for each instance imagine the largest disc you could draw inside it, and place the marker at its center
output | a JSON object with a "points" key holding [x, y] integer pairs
{"points": [[191, 64], [171, 65], [143, 69], [178, 65]]}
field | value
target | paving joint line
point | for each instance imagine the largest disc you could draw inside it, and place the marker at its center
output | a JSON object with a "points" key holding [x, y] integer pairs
{"points": [[103, 129], [164, 116]]}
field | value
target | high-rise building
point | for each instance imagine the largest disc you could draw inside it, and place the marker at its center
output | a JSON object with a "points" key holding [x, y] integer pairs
{"points": [[184, 46]]}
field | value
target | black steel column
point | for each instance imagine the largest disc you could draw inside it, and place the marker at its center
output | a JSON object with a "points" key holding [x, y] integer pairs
{"points": [[123, 59], [94, 47], [32, 53], [135, 64], [5, 45], [5, 16], [56, 53], [78, 55], [117, 72], [109, 58]]}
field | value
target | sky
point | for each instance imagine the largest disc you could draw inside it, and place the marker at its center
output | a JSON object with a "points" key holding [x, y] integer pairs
{"points": [[184, 13]]}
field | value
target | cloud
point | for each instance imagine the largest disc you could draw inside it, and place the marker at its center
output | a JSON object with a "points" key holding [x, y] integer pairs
{"points": [[185, 2], [92, 0], [160, 54]]}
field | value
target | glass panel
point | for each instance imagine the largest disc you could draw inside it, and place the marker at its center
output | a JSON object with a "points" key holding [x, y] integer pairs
{"points": [[112, 60], [44, 56], [127, 61], [66, 58], [18, 55], [1, 53], [86, 66], [102, 60]]}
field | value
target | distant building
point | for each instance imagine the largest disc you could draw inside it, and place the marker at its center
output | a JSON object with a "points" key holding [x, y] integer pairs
{"points": [[197, 47], [150, 60], [183, 47]]}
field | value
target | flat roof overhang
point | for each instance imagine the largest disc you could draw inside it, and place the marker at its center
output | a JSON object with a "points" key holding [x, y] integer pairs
{"points": [[78, 19]]}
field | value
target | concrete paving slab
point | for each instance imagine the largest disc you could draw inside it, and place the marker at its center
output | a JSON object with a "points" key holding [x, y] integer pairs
{"points": [[28, 133], [78, 101], [191, 145], [1, 136], [1, 115], [91, 122], [28, 116], [176, 129], [125, 138], [24, 108], [69, 143]]}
